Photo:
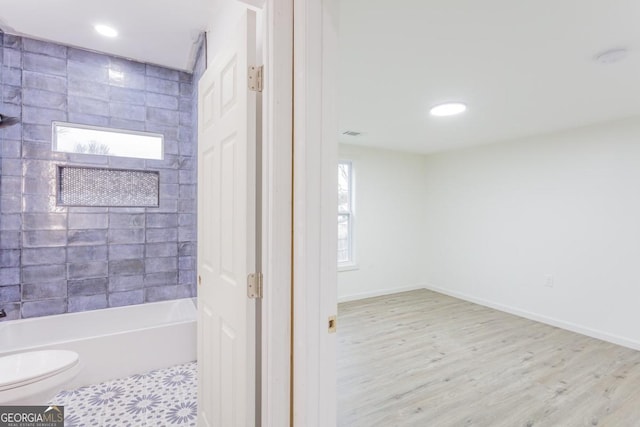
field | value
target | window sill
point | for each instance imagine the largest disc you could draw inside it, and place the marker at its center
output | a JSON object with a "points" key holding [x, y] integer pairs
{"points": [[347, 267]]}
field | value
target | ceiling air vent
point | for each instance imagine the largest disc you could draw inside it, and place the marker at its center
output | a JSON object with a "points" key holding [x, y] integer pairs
{"points": [[352, 133]]}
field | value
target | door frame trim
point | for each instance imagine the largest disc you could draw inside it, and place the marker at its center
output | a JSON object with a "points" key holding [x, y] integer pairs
{"points": [[299, 49], [315, 208], [275, 110], [277, 174]]}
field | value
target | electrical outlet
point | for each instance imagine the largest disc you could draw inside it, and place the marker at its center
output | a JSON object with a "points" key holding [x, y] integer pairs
{"points": [[548, 281]]}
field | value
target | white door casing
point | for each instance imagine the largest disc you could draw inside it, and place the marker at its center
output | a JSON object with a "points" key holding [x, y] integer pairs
{"points": [[227, 233], [315, 206]]}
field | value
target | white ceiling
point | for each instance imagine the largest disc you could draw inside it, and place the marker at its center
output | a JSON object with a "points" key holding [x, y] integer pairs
{"points": [[523, 67], [161, 32]]}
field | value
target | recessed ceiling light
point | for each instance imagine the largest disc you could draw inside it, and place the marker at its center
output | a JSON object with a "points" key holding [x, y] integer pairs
{"points": [[611, 56], [448, 109], [106, 30]]}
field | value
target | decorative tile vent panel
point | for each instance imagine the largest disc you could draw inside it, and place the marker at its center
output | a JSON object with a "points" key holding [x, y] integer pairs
{"points": [[81, 186]]}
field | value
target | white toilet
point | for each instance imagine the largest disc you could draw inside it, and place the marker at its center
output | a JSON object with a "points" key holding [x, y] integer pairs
{"points": [[35, 377]]}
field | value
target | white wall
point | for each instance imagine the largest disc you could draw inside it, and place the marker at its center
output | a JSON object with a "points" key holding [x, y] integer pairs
{"points": [[500, 218], [389, 212]]}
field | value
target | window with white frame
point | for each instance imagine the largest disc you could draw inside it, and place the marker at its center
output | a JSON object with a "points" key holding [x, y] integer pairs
{"points": [[86, 139], [345, 213]]}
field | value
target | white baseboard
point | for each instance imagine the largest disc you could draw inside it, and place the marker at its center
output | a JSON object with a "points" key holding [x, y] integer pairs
{"points": [[378, 293], [593, 333]]}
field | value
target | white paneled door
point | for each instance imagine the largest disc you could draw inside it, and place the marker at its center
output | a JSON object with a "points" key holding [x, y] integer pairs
{"points": [[227, 234]]}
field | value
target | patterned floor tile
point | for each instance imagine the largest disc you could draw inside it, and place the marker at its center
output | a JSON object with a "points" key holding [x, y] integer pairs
{"points": [[164, 397]]}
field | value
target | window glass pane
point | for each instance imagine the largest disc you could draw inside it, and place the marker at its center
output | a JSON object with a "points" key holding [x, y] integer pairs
{"points": [[344, 187], [74, 138], [345, 213], [344, 246]]}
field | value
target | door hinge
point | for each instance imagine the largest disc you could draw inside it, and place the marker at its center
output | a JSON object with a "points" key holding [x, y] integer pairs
{"points": [[255, 78], [254, 285]]}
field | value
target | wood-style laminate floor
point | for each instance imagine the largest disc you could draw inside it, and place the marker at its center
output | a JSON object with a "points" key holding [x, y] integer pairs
{"points": [[424, 359]]}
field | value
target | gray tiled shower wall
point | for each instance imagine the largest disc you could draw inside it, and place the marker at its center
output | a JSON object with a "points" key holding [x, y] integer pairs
{"points": [[57, 259]]}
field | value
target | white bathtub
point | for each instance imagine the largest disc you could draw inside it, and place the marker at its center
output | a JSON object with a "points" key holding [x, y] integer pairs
{"points": [[113, 342]]}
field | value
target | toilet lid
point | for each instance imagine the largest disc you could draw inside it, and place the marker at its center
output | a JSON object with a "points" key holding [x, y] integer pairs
{"points": [[24, 368]]}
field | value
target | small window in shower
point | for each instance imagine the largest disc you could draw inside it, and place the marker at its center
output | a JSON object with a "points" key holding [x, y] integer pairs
{"points": [[84, 139]]}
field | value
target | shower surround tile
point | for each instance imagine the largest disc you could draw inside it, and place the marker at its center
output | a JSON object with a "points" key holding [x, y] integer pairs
{"points": [[45, 64], [44, 48], [164, 397], [58, 259], [45, 82], [118, 299]]}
